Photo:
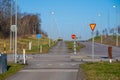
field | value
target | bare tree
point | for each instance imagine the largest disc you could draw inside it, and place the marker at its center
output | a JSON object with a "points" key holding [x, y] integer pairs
{"points": [[27, 23]]}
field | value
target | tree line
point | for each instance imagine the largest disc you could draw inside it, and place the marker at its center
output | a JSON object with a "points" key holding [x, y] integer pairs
{"points": [[28, 24]]}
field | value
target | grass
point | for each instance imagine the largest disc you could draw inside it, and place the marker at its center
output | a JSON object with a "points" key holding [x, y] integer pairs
{"points": [[23, 43], [101, 71], [12, 69], [70, 45]]}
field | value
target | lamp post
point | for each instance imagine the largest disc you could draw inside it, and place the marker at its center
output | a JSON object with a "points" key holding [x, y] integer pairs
{"points": [[56, 24], [10, 30], [16, 35], [116, 7], [100, 26]]}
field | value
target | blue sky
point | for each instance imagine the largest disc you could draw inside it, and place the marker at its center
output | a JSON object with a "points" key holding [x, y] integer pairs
{"points": [[72, 16]]}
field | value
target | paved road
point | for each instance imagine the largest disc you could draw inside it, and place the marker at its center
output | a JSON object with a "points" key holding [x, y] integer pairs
{"points": [[56, 65], [59, 64], [101, 50]]}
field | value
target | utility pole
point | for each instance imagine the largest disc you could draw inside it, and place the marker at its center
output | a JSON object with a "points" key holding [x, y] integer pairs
{"points": [[117, 34], [16, 35], [101, 26], [10, 30]]}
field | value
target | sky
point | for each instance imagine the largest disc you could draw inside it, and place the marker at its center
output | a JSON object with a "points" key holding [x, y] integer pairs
{"points": [[61, 18]]}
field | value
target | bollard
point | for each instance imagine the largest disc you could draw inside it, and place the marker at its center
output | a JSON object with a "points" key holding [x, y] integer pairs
{"points": [[4, 47], [110, 53], [30, 45], [40, 48], [24, 57]]}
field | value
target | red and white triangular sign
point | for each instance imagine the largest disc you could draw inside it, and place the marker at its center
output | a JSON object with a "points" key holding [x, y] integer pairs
{"points": [[92, 26]]}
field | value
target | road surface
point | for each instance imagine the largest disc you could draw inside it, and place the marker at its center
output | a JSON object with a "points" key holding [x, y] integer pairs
{"points": [[59, 64], [56, 65], [101, 50]]}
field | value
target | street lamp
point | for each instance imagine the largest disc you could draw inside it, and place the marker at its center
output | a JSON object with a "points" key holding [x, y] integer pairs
{"points": [[100, 26], [10, 30], [116, 7], [56, 24], [49, 42], [16, 34]]}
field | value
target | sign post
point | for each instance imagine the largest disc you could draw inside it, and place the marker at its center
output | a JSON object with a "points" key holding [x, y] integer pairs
{"points": [[74, 38], [49, 43], [92, 26], [38, 37], [13, 29], [24, 57]]}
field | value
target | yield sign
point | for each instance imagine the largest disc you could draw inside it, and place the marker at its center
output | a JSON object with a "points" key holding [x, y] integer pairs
{"points": [[92, 26]]}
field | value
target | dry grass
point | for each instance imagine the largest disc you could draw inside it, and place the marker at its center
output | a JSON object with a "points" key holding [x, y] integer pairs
{"points": [[23, 43]]}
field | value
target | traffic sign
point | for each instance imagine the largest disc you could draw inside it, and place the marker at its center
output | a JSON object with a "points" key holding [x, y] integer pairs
{"points": [[73, 36], [92, 26], [38, 36], [13, 28]]}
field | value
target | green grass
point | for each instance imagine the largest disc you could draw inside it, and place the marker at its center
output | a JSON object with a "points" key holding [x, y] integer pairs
{"points": [[12, 69], [101, 71], [70, 45]]}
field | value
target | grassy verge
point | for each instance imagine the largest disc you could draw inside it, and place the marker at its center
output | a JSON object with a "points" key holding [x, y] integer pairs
{"points": [[12, 69], [23, 43], [70, 45], [101, 71], [109, 40]]}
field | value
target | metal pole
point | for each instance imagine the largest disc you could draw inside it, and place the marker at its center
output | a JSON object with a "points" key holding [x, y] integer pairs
{"points": [[16, 35], [10, 29], [38, 44], [100, 19], [93, 45], [116, 7], [13, 45], [49, 42], [74, 46], [101, 38], [117, 26]]}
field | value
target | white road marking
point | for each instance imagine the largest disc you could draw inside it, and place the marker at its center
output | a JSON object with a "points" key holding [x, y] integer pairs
{"points": [[49, 64], [61, 64], [73, 64], [50, 70], [38, 64]]}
